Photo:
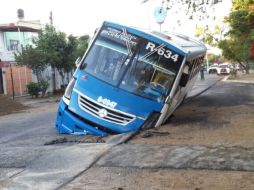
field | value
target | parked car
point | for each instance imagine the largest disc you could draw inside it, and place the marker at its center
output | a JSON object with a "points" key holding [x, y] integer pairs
{"points": [[213, 68], [224, 69]]}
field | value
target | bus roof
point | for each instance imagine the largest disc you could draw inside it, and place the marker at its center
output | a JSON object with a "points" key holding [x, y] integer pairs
{"points": [[188, 45]]}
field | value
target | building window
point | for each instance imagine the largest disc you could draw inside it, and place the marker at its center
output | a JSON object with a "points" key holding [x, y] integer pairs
{"points": [[14, 44]]}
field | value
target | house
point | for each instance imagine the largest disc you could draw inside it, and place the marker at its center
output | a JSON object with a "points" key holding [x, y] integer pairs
{"points": [[13, 78]]}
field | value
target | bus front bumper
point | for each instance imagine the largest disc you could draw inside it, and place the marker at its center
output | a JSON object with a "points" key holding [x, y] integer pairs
{"points": [[69, 123]]}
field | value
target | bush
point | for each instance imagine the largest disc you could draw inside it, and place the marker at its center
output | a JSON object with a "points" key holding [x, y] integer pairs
{"points": [[33, 89], [43, 85]]}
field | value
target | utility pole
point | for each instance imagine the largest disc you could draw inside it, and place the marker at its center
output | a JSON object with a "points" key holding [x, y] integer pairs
{"points": [[53, 74], [12, 81], [51, 18]]}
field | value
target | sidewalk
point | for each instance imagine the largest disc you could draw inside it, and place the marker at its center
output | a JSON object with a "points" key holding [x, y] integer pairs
{"points": [[241, 78], [201, 86]]}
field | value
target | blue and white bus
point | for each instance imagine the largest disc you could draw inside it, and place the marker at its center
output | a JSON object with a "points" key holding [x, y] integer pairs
{"points": [[128, 80]]}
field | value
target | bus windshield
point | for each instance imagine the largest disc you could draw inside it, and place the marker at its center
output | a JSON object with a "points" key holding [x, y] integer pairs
{"points": [[133, 63]]}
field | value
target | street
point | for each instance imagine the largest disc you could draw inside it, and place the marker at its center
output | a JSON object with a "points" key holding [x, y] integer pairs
{"points": [[209, 137]]}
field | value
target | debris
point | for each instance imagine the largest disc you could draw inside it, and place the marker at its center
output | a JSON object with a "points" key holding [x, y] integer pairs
{"points": [[148, 134], [76, 139]]}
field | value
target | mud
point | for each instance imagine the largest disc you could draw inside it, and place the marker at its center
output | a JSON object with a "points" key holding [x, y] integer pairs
{"points": [[7, 106]]}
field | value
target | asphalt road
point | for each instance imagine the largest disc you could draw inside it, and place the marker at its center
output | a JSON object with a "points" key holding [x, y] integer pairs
{"points": [[23, 151]]}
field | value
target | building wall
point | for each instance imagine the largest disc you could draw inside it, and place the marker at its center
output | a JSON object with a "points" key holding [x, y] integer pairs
{"points": [[21, 77], [1, 40]]}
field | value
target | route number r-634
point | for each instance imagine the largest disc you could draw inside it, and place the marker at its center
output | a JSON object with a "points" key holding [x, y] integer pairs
{"points": [[162, 51]]}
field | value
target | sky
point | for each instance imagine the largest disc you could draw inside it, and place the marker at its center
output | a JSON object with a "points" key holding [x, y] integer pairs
{"points": [[80, 17]]}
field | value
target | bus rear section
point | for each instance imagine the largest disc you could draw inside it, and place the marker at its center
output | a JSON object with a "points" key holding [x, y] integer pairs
{"points": [[121, 84]]}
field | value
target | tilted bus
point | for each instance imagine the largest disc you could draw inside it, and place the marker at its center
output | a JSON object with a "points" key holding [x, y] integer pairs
{"points": [[128, 80]]}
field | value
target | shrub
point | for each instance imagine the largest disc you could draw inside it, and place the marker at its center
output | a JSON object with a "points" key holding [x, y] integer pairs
{"points": [[33, 89], [43, 85]]}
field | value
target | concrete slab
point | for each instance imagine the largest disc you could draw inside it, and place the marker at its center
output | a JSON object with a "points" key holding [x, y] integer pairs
{"points": [[119, 139], [225, 158], [150, 156], [184, 157], [59, 167]]}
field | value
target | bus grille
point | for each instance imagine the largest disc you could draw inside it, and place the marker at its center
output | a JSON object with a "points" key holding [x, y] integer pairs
{"points": [[103, 112]]}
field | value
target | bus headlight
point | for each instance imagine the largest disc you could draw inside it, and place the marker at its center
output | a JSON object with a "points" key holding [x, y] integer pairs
{"points": [[68, 91]]}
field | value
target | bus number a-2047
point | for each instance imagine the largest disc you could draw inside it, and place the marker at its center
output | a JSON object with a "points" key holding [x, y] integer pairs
{"points": [[162, 51]]}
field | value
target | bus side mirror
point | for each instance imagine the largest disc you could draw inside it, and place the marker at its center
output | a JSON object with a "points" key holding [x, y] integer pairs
{"points": [[184, 79], [77, 62]]}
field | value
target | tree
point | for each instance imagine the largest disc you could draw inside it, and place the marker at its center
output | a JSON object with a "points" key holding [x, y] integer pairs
{"points": [[215, 58], [235, 50], [53, 44], [33, 58], [212, 36], [241, 35], [194, 9], [68, 62], [60, 51], [53, 48], [83, 42]]}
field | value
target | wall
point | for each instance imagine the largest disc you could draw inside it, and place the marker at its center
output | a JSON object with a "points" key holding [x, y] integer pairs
{"points": [[1, 40], [21, 77]]}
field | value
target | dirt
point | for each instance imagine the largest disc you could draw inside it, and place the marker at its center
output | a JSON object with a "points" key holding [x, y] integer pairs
{"points": [[245, 77], [160, 179], [192, 125], [7, 105], [223, 116]]}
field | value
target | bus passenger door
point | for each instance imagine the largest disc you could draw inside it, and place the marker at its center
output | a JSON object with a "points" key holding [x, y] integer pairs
{"points": [[176, 100]]}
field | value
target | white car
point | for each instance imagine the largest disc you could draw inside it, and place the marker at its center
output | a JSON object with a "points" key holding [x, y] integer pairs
{"points": [[213, 68], [223, 69]]}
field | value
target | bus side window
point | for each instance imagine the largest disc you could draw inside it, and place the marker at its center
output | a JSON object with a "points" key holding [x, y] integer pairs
{"points": [[185, 76], [184, 80]]}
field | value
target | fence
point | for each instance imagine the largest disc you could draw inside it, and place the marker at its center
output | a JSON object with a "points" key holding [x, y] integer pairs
{"points": [[15, 79]]}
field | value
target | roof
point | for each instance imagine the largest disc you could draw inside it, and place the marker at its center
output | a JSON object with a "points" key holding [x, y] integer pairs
{"points": [[190, 46], [22, 26]]}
